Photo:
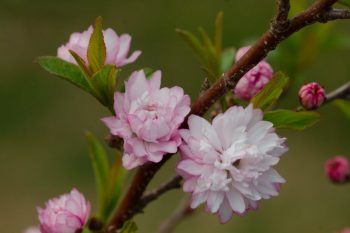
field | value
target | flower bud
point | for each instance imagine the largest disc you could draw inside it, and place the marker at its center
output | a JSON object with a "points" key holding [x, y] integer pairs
{"points": [[67, 213], [312, 95], [338, 169], [254, 80]]}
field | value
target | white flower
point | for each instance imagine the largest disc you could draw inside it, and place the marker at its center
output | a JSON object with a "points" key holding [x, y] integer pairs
{"points": [[228, 164]]}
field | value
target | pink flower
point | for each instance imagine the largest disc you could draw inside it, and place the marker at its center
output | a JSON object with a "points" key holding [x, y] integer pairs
{"points": [[117, 47], [228, 164], [312, 95], [65, 214], [32, 230], [345, 230], [338, 169], [148, 118], [254, 80]]}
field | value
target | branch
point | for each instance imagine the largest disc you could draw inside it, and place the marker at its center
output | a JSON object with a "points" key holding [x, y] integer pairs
{"points": [[280, 22], [342, 92], [183, 211], [336, 14], [317, 12], [173, 183]]}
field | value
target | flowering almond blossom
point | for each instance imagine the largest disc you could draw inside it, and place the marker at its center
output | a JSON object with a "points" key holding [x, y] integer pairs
{"points": [[228, 164], [65, 214], [338, 169], [147, 118], [117, 47], [254, 80]]}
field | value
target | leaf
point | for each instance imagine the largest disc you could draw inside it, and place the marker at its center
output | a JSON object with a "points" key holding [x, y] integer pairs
{"points": [[96, 53], [218, 34], [271, 92], [114, 185], [292, 120], [344, 2], [66, 71], [344, 106], [148, 72], [100, 165], [129, 227], [227, 59], [104, 81], [81, 64], [192, 41]]}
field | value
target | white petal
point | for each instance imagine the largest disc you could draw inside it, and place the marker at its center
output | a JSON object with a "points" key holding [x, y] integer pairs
{"points": [[236, 201]]}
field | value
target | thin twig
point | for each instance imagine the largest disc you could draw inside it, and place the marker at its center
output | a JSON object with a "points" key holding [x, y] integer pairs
{"points": [[317, 12], [335, 14], [180, 213], [342, 92], [280, 22], [173, 183]]}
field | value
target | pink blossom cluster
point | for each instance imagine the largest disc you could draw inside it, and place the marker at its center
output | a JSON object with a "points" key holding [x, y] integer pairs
{"points": [[228, 164], [117, 47], [254, 80], [147, 117]]}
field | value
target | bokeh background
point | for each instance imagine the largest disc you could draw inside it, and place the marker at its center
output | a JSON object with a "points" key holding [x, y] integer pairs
{"points": [[42, 122]]}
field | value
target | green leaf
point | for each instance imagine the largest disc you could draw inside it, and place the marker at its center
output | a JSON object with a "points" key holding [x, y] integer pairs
{"points": [[218, 34], [227, 59], [148, 71], [104, 81], [66, 71], [192, 41], [81, 64], [129, 227], [96, 53], [344, 106], [271, 92], [114, 186], [293, 120], [100, 166], [344, 2]]}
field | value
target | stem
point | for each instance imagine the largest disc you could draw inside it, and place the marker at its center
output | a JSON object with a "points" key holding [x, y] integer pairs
{"points": [[183, 211], [342, 92], [319, 11]]}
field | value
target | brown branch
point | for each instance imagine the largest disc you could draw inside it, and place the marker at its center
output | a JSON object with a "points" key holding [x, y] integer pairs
{"points": [[268, 42], [342, 92], [336, 14], [173, 183], [280, 22], [183, 211]]}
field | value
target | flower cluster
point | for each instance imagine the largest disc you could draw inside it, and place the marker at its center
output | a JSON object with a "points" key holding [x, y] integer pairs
{"points": [[65, 214], [228, 164], [117, 47], [147, 118], [254, 80]]}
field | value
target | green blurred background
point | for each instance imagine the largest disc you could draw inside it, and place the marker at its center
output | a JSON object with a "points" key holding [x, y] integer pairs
{"points": [[42, 120]]}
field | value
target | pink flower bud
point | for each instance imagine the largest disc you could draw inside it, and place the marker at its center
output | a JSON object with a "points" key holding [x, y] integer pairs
{"points": [[117, 47], [254, 80], [32, 230], [312, 95], [65, 214], [338, 169]]}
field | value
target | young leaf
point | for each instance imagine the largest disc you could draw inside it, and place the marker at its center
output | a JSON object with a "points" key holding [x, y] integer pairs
{"points": [[148, 71], [114, 185], [218, 34], [129, 227], [65, 70], [100, 165], [96, 53], [227, 59], [293, 120], [344, 106], [271, 92], [81, 64], [192, 41], [104, 81]]}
